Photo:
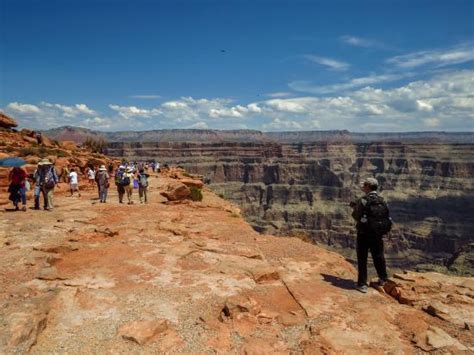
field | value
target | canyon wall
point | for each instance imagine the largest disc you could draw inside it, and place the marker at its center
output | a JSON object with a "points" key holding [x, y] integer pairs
{"points": [[304, 189]]}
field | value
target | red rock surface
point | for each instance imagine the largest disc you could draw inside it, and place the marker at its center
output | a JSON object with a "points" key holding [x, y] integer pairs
{"points": [[107, 278]]}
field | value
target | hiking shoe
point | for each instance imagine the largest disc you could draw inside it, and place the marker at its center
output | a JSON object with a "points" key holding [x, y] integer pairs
{"points": [[363, 288], [381, 282], [23, 208]]}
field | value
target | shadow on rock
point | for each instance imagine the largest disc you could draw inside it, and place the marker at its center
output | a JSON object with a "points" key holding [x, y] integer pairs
{"points": [[345, 284]]}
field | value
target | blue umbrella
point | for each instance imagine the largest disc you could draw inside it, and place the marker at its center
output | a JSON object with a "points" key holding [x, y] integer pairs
{"points": [[12, 162]]}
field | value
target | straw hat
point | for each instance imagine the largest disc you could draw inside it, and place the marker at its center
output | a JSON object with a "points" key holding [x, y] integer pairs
{"points": [[102, 168], [45, 161]]}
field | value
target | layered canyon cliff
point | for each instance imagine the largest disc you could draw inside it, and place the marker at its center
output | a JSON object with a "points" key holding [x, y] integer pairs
{"points": [[304, 189]]}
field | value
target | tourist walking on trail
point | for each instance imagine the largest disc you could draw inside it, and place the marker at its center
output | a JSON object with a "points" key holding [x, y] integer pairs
{"points": [[37, 191], [143, 185], [48, 178], [128, 177], [103, 183], [17, 189], [91, 177], [373, 222], [74, 182], [119, 177]]}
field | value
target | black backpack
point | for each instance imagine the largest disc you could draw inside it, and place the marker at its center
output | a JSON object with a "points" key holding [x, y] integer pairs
{"points": [[378, 216]]}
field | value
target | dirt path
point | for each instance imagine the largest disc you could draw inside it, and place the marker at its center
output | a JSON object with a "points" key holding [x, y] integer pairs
{"points": [[111, 278]]}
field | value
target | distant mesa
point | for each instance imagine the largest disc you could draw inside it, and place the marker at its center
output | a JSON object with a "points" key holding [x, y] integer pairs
{"points": [[79, 135]]}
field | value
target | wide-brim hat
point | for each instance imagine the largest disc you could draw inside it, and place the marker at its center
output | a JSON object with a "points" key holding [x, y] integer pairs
{"points": [[44, 162], [121, 167], [369, 182], [102, 168]]}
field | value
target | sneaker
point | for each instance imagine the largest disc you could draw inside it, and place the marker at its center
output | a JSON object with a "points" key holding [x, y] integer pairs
{"points": [[363, 288], [23, 208], [381, 282]]}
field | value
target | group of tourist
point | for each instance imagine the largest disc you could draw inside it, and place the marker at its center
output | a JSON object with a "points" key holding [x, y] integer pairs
{"points": [[130, 176], [127, 177]]}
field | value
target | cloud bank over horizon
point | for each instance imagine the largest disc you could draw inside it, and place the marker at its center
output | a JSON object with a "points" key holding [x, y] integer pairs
{"points": [[443, 102]]}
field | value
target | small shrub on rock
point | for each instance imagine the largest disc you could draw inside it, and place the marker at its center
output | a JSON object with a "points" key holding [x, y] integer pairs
{"points": [[196, 194]]}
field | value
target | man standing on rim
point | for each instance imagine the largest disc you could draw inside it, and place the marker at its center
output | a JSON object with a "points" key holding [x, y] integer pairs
{"points": [[373, 222]]}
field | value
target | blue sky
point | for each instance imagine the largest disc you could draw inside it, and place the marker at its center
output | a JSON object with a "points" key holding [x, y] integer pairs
{"points": [[267, 65]]}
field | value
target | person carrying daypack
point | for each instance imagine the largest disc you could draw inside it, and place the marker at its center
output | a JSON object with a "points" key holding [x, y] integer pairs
{"points": [[48, 179], [373, 221], [143, 185], [119, 176]]}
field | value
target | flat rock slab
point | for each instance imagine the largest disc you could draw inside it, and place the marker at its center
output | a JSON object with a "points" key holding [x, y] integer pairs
{"points": [[143, 331]]}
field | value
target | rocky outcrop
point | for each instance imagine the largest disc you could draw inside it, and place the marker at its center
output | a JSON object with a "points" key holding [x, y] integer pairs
{"points": [[304, 189], [7, 122]]}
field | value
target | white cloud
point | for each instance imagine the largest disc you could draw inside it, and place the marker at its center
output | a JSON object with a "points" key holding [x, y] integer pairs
{"points": [[278, 95], [448, 96], [71, 111], [461, 53], [174, 105], [145, 97], [24, 109], [306, 86], [361, 42], [444, 102], [49, 115], [328, 62], [129, 112]]}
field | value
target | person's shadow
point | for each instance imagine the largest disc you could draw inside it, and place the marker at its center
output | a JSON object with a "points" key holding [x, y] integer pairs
{"points": [[345, 284], [11, 210]]}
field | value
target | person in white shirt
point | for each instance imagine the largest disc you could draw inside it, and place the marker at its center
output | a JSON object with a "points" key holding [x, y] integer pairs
{"points": [[91, 177], [74, 182]]}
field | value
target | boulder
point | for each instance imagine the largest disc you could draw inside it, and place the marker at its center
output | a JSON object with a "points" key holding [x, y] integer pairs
{"points": [[143, 331], [7, 122], [176, 191], [435, 338], [192, 183]]}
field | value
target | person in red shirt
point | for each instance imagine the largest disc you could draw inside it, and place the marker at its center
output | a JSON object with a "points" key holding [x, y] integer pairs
{"points": [[17, 188]]}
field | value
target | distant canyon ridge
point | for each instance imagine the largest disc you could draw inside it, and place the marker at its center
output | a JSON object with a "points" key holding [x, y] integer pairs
{"points": [[301, 183]]}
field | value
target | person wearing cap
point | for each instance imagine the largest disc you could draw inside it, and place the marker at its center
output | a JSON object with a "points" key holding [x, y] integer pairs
{"points": [[118, 182], [367, 238], [129, 187], [103, 183], [48, 179], [143, 185]]}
